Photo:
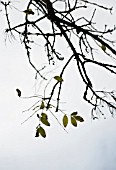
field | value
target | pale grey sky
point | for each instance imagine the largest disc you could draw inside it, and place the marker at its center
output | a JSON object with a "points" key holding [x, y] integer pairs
{"points": [[90, 146]]}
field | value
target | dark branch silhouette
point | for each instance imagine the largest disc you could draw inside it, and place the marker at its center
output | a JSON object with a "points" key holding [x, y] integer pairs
{"points": [[66, 25]]}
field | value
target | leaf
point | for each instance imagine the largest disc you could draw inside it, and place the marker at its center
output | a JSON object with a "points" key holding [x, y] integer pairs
{"points": [[42, 132], [58, 78], [42, 106], [18, 92], [103, 47], [29, 11], [65, 120], [37, 132], [44, 115], [73, 121], [44, 119], [74, 113], [79, 118]]}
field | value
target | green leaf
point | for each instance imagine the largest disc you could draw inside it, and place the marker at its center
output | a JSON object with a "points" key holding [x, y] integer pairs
{"points": [[44, 115], [44, 119], [65, 120], [74, 113], [42, 132], [42, 106], [73, 121], [79, 118], [58, 78]]}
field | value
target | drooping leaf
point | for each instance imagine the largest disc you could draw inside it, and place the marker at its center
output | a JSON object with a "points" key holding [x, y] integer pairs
{"points": [[42, 106], [45, 121], [58, 78], [73, 121], [29, 11], [18, 92], [44, 115], [79, 118], [65, 120], [42, 132], [74, 113]]}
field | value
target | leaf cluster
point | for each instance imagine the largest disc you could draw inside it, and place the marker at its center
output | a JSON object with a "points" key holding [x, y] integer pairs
{"points": [[74, 118], [67, 27]]}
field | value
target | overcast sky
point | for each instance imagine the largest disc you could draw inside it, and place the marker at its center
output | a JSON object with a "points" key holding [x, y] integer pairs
{"points": [[90, 146]]}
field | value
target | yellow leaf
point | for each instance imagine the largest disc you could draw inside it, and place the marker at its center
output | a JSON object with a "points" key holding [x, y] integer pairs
{"points": [[29, 12], [58, 78]]}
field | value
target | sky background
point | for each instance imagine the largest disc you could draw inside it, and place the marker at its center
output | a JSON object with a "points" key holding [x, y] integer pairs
{"points": [[90, 146]]}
